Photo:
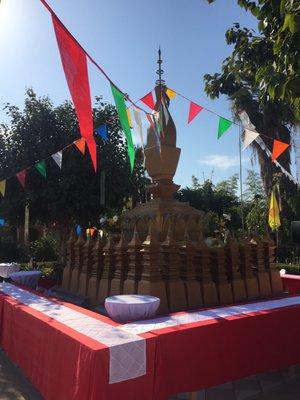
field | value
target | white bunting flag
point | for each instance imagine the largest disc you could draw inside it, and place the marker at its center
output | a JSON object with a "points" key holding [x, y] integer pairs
{"points": [[138, 121], [57, 157], [250, 136]]}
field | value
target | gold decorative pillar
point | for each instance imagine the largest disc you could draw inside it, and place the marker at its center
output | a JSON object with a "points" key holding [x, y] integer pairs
{"points": [[247, 270], [86, 267], [151, 277], [262, 274], [233, 265], [121, 266], [108, 270], [135, 264], [275, 279], [224, 288], [97, 270], [69, 262], [78, 249]]}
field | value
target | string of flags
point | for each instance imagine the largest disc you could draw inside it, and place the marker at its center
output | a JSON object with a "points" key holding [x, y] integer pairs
{"points": [[40, 166], [74, 61]]}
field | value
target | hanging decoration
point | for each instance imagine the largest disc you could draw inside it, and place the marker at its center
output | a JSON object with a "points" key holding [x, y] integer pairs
{"points": [[194, 110], [78, 229], [224, 125], [80, 144], [21, 177], [171, 93], [102, 131], [129, 117], [274, 217], [41, 167], [3, 187], [278, 148], [138, 121], [148, 100], [75, 67], [57, 157], [121, 108], [249, 137]]}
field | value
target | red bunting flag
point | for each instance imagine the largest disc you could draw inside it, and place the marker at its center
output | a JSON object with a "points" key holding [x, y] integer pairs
{"points": [[194, 111], [148, 100], [21, 177], [74, 64], [278, 148]]}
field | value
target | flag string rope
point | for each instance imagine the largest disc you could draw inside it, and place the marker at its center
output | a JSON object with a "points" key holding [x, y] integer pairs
{"points": [[127, 97], [220, 116], [109, 121]]}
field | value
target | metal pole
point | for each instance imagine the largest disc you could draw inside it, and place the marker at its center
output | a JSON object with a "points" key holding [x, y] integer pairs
{"points": [[241, 177]]}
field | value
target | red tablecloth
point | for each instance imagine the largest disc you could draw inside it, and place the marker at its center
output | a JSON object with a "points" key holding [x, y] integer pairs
{"points": [[291, 283], [66, 365], [62, 363]]}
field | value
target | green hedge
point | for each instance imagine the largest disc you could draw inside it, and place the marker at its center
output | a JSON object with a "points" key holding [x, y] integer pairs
{"points": [[290, 268]]}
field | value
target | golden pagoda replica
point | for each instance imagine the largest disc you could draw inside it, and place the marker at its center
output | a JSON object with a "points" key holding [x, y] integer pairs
{"points": [[161, 250]]}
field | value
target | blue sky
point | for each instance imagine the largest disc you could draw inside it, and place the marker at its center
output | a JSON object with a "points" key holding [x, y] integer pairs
{"points": [[123, 37]]}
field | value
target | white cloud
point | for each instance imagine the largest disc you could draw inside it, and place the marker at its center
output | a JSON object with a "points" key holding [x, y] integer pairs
{"points": [[222, 161]]}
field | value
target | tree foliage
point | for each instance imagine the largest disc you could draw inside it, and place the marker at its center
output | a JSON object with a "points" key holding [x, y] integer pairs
{"points": [[71, 194], [261, 76]]}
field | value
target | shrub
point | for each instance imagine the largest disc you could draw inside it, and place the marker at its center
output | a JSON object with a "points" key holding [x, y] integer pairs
{"points": [[44, 249]]}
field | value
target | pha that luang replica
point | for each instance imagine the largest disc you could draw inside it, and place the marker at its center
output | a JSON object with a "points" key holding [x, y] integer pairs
{"points": [[161, 250]]}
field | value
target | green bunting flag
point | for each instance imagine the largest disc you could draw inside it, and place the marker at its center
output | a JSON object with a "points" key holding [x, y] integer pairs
{"points": [[224, 124], [41, 167], [121, 108]]}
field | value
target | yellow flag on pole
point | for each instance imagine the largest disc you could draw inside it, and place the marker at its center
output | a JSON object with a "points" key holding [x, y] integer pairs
{"points": [[2, 187], [274, 218], [171, 93]]}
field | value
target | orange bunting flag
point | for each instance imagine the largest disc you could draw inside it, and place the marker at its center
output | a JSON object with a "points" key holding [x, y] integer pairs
{"points": [[148, 100], [278, 148], [80, 144], [171, 93], [21, 177], [194, 111]]}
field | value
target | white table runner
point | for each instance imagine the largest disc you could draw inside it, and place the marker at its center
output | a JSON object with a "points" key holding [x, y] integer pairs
{"points": [[127, 351], [205, 315]]}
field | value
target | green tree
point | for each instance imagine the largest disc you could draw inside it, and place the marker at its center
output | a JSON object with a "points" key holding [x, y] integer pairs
{"points": [[72, 193], [261, 76]]}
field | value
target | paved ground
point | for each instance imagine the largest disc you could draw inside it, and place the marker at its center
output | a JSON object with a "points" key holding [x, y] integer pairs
{"points": [[13, 385], [271, 386]]}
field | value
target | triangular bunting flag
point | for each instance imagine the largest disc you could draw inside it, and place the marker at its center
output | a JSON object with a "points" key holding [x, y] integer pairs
{"points": [[121, 108], [129, 118], [250, 136], [148, 100], [74, 64], [80, 144], [2, 187], [194, 111], [57, 157], [78, 229], [171, 94], [21, 177], [278, 148], [41, 167], [224, 124], [138, 121], [102, 131]]}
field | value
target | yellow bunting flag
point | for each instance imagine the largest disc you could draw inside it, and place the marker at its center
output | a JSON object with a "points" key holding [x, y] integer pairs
{"points": [[171, 94], [80, 144], [129, 118], [2, 187], [274, 218]]}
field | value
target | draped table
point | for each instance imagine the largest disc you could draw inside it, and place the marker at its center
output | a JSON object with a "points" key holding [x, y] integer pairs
{"points": [[26, 278], [291, 283], [7, 268], [71, 353], [131, 307]]}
